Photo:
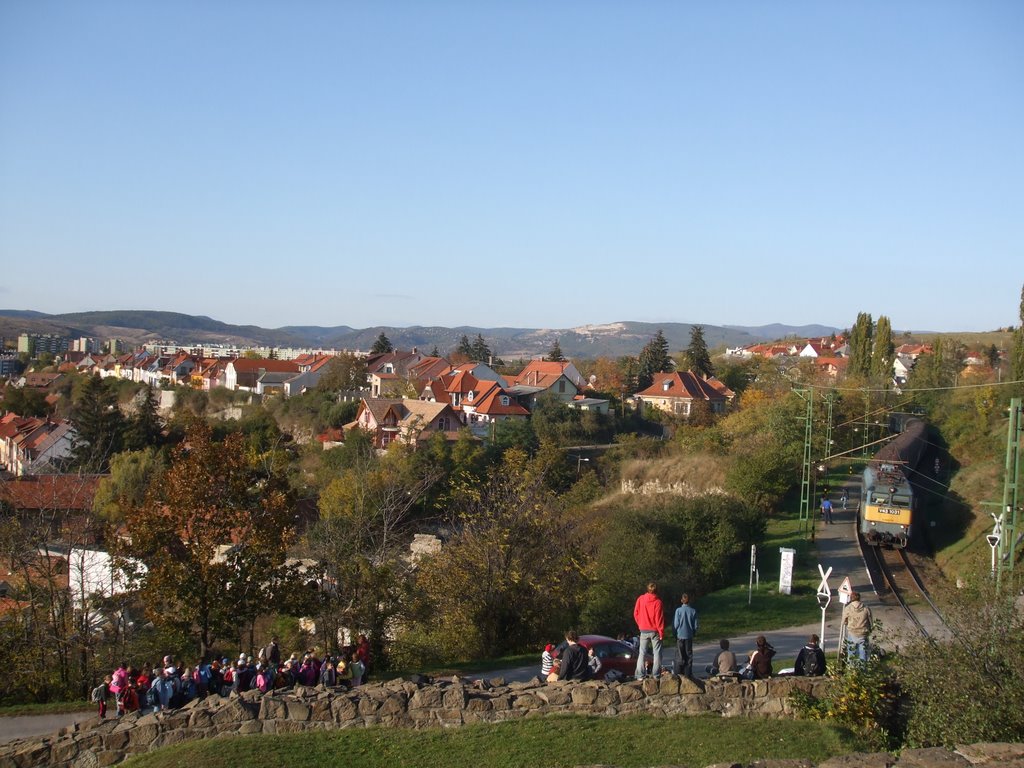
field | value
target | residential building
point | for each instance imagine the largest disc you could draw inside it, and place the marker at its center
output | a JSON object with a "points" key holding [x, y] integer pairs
{"points": [[676, 393]]}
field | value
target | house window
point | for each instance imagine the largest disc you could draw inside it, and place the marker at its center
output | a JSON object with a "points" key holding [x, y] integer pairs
{"points": [[469, 396], [561, 385], [504, 399], [442, 424]]}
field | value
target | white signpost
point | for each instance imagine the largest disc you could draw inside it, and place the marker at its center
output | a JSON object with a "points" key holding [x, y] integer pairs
{"points": [[994, 539], [845, 590], [753, 570], [824, 598], [786, 570]]}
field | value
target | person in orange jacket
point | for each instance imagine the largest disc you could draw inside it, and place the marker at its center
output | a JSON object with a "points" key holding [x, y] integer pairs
{"points": [[650, 620]]}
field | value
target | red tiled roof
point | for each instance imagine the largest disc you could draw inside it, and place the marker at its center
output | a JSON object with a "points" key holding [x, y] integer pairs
{"points": [[50, 492], [686, 385]]}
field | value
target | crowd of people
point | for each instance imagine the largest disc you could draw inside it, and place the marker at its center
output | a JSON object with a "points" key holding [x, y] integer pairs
{"points": [[571, 661], [171, 685]]}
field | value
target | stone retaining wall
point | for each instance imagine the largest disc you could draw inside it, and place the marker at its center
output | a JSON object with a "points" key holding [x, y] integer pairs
{"points": [[397, 703]]}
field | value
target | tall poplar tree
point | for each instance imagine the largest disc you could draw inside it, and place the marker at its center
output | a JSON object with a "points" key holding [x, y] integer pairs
{"points": [[1017, 357], [882, 354], [860, 345]]}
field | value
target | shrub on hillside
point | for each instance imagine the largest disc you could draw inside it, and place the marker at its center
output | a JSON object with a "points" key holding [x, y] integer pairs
{"points": [[969, 688]]}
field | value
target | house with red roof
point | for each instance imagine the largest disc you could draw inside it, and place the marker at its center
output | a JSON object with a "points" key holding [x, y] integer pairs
{"points": [[541, 377], [244, 373], [676, 392], [405, 420]]}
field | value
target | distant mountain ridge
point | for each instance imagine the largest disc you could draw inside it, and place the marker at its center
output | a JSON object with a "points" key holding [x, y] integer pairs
{"points": [[585, 341]]}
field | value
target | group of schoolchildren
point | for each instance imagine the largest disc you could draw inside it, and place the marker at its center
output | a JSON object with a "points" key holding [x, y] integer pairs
{"points": [[169, 686]]}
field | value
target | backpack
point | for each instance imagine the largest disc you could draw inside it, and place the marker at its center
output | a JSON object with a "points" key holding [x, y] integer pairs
{"points": [[810, 666], [99, 693], [153, 695]]}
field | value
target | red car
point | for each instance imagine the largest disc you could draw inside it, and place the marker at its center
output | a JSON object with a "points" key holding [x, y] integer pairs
{"points": [[614, 654]]}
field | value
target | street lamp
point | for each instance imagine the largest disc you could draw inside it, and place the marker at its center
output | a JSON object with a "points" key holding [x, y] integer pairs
{"points": [[579, 461]]}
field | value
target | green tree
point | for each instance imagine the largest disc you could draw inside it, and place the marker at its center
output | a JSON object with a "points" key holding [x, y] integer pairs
{"points": [[697, 357], [25, 401], [860, 346], [213, 537], [464, 348], [491, 588], [1017, 353], [361, 540], [381, 345], [479, 350], [132, 473], [654, 359], [883, 353], [144, 428], [555, 353], [99, 426], [346, 372]]}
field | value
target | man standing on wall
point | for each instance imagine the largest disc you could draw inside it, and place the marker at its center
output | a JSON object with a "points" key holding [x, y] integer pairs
{"points": [[685, 623], [650, 620]]}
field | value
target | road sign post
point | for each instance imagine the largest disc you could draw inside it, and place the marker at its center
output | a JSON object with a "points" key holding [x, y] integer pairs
{"points": [[845, 590], [993, 540], [753, 568], [788, 557], [824, 596]]}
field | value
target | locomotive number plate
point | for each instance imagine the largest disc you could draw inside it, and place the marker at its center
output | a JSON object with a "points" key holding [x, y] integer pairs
{"points": [[894, 511]]}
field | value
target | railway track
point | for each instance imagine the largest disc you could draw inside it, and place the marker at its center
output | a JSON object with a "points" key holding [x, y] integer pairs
{"points": [[900, 579]]}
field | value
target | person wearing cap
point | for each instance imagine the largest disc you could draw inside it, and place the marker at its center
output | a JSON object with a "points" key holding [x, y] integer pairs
{"points": [[546, 660]]}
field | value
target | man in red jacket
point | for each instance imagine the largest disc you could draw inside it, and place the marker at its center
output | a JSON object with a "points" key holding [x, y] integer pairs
{"points": [[650, 620]]}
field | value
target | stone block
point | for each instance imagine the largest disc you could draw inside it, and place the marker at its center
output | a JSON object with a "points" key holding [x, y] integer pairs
{"points": [[527, 701], [63, 751], [291, 726], [668, 685], [272, 708], [201, 718], [583, 695], [320, 710], [649, 686], [476, 704], [109, 758], [688, 686], [984, 752], [501, 703], [298, 711], [860, 760], [250, 727], [393, 705], [630, 692], [455, 697], [368, 707], [426, 698], [606, 697], [116, 740], [555, 697], [343, 710], [31, 753], [172, 737], [87, 759], [142, 736], [931, 757]]}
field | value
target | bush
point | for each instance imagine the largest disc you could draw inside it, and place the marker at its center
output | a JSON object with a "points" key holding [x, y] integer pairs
{"points": [[864, 699], [968, 688]]}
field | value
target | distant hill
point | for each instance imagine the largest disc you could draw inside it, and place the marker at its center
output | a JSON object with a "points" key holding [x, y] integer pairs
{"points": [[586, 341]]}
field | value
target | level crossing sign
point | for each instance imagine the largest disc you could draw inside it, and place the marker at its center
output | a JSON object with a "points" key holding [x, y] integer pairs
{"points": [[845, 590], [824, 590]]}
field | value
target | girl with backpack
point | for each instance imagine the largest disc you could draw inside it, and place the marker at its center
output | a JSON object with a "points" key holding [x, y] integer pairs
{"points": [[99, 696]]}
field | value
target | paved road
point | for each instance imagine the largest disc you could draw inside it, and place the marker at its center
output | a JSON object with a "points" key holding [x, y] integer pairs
{"points": [[38, 725]]}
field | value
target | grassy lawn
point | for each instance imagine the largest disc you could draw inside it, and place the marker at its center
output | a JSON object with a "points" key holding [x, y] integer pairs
{"points": [[725, 613], [550, 741]]}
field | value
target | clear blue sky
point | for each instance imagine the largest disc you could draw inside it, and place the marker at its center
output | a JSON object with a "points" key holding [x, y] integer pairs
{"points": [[528, 164]]}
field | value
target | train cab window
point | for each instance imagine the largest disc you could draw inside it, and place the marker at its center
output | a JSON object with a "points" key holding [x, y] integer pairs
{"points": [[901, 501], [880, 498]]}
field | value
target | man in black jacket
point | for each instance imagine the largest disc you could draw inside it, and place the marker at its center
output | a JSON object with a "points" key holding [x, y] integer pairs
{"points": [[811, 659], [574, 662]]}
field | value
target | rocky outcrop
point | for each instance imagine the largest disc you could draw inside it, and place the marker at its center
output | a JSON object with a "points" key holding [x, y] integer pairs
{"points": [[406, 704]]}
